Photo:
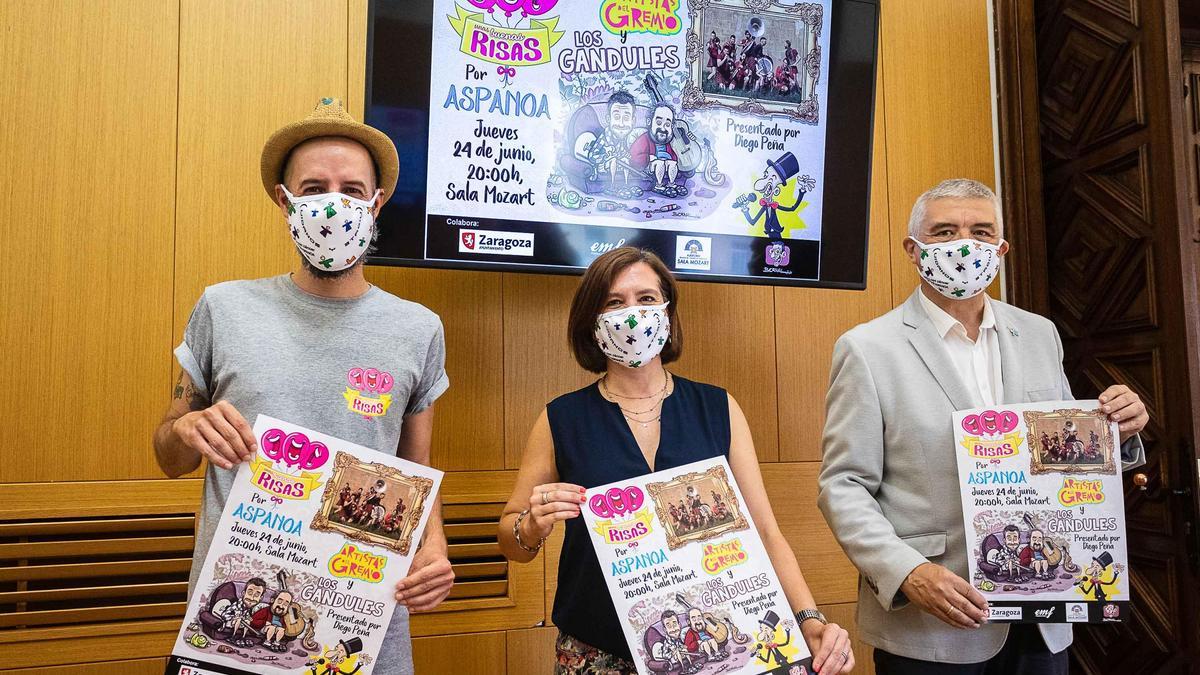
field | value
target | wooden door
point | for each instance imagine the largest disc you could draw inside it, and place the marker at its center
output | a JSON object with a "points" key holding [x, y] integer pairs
{"points": [[1094, 178]]}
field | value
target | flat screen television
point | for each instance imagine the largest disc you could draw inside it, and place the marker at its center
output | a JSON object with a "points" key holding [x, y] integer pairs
{"points": [[731, 137]]}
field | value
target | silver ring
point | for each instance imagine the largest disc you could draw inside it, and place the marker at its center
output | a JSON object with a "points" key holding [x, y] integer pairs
{"points": [[845, 656], [545, 498]]}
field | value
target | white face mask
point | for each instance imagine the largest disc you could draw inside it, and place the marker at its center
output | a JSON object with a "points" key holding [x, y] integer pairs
{"points": [[959, 269], [633, 336], [332, 230]]}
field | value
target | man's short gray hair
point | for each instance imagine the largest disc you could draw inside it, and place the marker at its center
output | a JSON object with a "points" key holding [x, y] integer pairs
{"points": [[954, 188]]}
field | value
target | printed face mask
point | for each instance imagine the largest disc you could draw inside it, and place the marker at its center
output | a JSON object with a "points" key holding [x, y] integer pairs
{"points": [[959, 269], [331, 230], [633, 336]]}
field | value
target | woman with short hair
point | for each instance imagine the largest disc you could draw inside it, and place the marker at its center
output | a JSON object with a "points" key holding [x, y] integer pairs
{"points": [[635, 419]]}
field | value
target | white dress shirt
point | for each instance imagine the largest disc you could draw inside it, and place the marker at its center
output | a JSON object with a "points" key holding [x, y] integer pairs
{"points": [[976, 361]]}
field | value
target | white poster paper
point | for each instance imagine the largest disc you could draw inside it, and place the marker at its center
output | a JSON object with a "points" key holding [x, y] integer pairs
{"points": [[1043, 510], [690, 577], [302, 571]]}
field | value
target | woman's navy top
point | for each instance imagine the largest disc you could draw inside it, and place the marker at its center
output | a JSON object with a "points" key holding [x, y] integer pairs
{"points": [[593, 445]]}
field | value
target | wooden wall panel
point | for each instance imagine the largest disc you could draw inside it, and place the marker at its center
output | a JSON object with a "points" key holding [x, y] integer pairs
{"points": [[729, 341], [522, 606], [87, 646], [551, 554], [139, 667], [792, 488], [538, 365], [475, 653], [938, 116], [27, 501], [531, 652], [469, 418], [243, 73], [808, 321], [87, 177]]}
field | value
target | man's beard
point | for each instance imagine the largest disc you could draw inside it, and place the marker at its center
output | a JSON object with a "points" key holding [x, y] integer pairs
{"points": [[329, 275], [279, 611], [662, 135]]}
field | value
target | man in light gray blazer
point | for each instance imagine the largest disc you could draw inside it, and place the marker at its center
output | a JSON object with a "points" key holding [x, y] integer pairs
{"points": [[889, 482]]}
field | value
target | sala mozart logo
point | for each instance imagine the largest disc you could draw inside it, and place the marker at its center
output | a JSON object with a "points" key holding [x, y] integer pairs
{"points": [[992, 435], [624, 519], [660, 17], [720, 557], [354, 563], [1076, 492], [284, 465]]}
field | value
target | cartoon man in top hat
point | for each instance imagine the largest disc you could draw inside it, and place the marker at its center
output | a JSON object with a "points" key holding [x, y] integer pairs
{"points": [[767, 644], [1093, 584], [776, 175], [336, 655]]}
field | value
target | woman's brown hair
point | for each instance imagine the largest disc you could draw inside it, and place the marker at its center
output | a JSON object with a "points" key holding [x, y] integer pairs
{"points": [[593, 292]]}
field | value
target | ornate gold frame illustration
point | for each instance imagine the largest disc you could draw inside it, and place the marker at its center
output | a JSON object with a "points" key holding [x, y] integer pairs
{"points": [[1039, 465], [412, 515], [676, 540]]}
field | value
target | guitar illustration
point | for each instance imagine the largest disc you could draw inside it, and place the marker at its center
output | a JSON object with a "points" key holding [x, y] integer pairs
{"points": [[720, 629], [687, 148]]}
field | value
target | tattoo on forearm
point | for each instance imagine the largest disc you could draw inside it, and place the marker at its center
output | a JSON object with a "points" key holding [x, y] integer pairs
{"points": [[188, 392], [179, 387], [195, 400]]}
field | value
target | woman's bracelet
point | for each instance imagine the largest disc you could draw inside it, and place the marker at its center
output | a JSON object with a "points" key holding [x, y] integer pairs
{"points": [[517, 533]]}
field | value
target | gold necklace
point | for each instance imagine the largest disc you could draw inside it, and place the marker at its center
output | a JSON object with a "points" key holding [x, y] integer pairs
{"points": [[609, 393], [645, 424], [662, 395], [640, 412]]}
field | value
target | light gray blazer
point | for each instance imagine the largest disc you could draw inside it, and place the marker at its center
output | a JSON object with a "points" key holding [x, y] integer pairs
{"points": [[889, 481]]}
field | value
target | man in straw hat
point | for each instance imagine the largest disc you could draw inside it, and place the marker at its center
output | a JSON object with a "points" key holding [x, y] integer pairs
{"points": [[289, 345]]}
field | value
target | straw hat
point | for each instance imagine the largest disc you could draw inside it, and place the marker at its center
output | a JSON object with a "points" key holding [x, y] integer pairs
{"points": [[329, 118]]}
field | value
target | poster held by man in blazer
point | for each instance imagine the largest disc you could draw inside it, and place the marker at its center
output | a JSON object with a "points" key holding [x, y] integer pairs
{"points": [[889, 482]]}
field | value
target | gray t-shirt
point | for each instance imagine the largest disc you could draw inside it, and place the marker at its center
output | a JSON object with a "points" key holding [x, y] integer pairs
{"points": [[267, 347]]}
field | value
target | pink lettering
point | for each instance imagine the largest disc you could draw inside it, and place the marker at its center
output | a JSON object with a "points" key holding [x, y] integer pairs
{"points": [[620, 22], [479, 42]]}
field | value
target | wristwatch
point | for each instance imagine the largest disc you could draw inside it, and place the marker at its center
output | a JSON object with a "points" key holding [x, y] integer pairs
{"points": [[806, 614]]}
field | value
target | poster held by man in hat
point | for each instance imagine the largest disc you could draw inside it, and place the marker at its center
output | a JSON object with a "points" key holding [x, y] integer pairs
{"points": [[1043, 511], [287, 586], [690, 577]]}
